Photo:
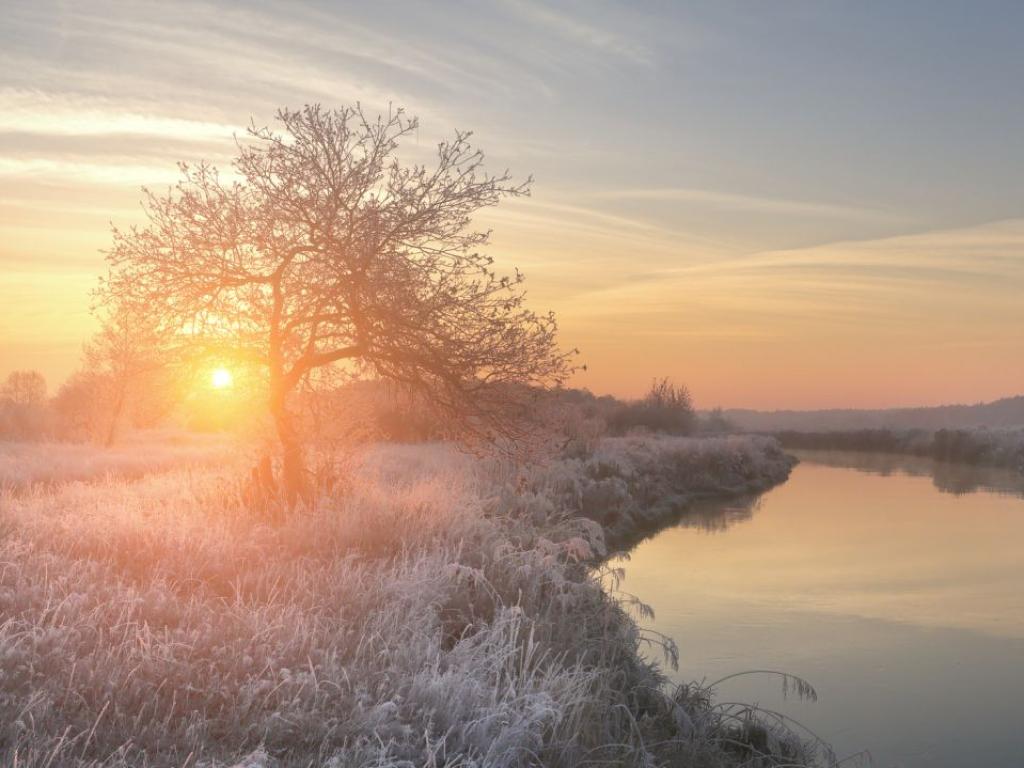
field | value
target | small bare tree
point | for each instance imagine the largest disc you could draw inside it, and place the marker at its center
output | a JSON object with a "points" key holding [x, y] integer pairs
{"points": [[126, 354], [328, 250], [23, 406], [667, 407], [81, 407], [25, 388]]}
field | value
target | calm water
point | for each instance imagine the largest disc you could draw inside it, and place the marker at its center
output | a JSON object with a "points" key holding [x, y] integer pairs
{"points": [[894, 586]]}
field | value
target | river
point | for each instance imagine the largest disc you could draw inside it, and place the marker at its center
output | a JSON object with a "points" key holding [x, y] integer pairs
{"points": [[895, 586]]}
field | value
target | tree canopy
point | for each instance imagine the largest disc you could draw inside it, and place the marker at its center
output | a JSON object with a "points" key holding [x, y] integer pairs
{"points": [[323, 247]]}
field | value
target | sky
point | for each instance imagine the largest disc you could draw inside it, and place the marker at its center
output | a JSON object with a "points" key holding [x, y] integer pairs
{"points": [[781, 205]]}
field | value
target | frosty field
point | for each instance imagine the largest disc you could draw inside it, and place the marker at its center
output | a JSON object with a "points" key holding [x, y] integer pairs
{"points": [[435, 610]]}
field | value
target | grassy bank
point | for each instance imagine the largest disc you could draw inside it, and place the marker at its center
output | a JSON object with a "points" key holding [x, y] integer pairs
{"points": [[442, 611], [633, 486]]}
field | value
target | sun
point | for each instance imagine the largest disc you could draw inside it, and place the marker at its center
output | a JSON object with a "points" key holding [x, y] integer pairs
{"points": [[221, 378]]}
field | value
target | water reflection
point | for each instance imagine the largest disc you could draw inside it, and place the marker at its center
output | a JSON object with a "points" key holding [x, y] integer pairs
{"points": [[947, 477], [883, 580], [715, 517], [955, 479]]}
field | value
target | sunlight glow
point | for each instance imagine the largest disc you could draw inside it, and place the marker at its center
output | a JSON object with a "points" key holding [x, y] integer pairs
{"points": [[221, 378]]}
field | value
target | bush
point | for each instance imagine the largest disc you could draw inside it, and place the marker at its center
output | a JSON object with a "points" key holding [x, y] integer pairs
{"points": [[667, 408]]}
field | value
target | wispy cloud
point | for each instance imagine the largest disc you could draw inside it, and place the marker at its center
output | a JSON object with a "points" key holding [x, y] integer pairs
{"points": [[575, 29], [99, 98], [733, 201], [65, 171], [966, 282], [26, 111]]}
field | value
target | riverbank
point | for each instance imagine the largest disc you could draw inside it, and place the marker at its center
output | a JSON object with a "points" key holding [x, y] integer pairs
{"points": [[946, 477], [1002, 448], [878, 582], [439, 612], [634, 486]]}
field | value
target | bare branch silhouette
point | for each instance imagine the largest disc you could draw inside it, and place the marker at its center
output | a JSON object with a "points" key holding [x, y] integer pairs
{"points": [[330, 250]]}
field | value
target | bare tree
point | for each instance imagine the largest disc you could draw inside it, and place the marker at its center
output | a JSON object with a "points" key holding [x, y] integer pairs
{"points": [[126, 354], [23, 405], [81, 406], [328, 250], [667, 407], [25, 388]]}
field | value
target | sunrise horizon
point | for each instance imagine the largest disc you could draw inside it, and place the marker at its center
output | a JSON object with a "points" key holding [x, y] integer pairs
{"points": [[615, 373], [763, 269]]}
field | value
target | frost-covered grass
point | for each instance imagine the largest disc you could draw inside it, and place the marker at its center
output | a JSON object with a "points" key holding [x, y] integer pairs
{"points": [[441, 612], [25, 463], [632, 486]]}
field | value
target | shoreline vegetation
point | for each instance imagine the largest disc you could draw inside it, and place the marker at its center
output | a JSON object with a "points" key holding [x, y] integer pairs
{"points": [[946, 477], [439, 610], [635, 486], [981, 447]]}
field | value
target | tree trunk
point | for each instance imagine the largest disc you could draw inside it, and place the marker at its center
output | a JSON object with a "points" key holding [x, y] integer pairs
{"points": [[293, 472], [115, 417], [293, 469]]}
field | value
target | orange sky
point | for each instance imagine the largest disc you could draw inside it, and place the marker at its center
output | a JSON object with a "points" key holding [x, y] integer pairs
{"points": [[773, 248]]}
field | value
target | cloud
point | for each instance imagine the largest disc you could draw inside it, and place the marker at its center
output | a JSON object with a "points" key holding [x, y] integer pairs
{"points": [[248, 56], [953, 287], [573, 28], [65, 171], [992, 250], [732, 201], [37, 112]]}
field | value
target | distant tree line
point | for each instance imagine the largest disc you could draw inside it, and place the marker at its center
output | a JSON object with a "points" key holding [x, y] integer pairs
{"points": [[990, 447], [121, 384], [123, 381], [665, 409], [91, 406]]}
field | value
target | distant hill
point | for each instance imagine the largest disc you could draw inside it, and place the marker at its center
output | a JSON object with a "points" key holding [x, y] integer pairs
{"points": [[1008, 412]]}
